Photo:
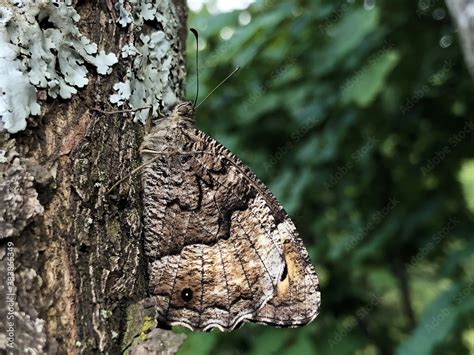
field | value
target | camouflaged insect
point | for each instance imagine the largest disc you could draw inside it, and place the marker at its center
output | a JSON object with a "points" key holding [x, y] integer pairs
{"points": [[221, 249]]}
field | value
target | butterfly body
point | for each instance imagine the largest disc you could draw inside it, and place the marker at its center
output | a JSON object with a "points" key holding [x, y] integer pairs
{"points": [[221, 249]]}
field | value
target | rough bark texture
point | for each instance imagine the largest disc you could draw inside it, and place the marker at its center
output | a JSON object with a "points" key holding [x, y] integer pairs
{"points": [[78, 249], [463, 14]]}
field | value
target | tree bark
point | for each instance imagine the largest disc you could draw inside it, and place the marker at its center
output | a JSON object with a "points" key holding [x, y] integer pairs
{"points": [[79, 269], [462, 12]]}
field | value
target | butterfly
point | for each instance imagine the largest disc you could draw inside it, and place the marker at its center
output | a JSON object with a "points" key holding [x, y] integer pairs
{"points": [[221, 249]]}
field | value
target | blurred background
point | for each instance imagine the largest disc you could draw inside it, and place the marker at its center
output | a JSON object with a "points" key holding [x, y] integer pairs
{"points": [[359, 116]]}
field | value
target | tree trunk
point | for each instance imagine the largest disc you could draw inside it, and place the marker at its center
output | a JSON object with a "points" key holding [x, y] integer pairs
{"points": [[462, 12], [74, 247]]}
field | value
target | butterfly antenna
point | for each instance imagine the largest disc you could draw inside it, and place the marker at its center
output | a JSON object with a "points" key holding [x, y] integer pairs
{"points": [[217, 87], [196, 35]]}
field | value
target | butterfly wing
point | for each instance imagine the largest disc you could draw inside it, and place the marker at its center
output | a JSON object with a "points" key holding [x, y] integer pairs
{"points": [[297, 298], [218, 241]]}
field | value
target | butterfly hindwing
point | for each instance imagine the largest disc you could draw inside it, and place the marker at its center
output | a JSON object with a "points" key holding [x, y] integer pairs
{"points": [[297, 298]]}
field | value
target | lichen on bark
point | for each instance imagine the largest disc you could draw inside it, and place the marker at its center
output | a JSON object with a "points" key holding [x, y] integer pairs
{"points": [[18, 198], [42, 48], [154, 72]]}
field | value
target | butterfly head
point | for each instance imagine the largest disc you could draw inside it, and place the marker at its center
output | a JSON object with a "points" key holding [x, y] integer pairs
{"points": [[183, 111], [167, 133]]}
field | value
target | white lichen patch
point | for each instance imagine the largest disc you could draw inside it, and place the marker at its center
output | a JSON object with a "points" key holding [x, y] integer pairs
{"points": [[18, 198], [155, 66], [42, 47]]}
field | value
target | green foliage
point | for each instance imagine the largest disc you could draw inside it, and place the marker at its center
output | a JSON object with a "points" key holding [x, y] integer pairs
{"points": [[361, 124], [369, 83], [466, 176]]}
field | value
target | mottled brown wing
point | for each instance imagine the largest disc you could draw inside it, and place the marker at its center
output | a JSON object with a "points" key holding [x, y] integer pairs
{"points": [[297, 298], [216, 239]]}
